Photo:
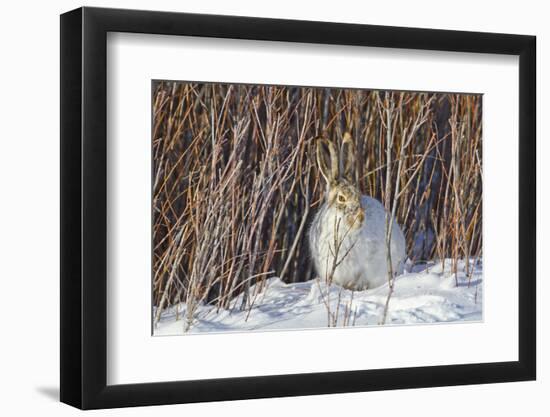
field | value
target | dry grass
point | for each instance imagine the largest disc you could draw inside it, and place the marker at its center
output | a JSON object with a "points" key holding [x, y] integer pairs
{"points": [[236, 185]]}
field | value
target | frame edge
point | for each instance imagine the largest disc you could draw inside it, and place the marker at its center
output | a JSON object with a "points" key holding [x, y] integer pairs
{"points": [[527, 333], [70, 208]]}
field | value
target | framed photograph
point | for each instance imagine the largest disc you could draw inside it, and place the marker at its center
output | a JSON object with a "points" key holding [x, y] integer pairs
{"points": [[257, 208]]}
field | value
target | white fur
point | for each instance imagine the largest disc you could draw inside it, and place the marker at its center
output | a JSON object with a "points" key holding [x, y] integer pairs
{"points": [[361, 256]]}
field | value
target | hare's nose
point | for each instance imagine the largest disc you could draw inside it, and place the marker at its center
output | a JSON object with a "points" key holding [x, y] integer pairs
{"points": [[360, 216]]}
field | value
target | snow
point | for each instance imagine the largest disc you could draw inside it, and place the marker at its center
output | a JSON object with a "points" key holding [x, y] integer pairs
{"points": [[428, 293]]}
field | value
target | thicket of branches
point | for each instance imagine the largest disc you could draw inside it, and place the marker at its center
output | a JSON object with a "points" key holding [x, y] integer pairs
{"points": [[235, 183]]}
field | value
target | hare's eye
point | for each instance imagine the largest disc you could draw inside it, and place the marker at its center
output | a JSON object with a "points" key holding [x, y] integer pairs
{"points": [[341, 198]]}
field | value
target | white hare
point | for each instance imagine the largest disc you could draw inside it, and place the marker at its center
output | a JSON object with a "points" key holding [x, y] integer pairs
{"points": [[347, 237]]}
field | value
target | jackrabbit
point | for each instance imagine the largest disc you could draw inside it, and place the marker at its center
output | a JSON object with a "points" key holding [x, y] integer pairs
{"points": [[347, 237]]}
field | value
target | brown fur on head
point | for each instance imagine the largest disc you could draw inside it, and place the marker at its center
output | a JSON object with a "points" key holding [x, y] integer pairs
{"points": [[338, 171]]}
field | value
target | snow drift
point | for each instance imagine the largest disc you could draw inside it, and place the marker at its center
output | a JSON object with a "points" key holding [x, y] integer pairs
{"points": [[429, 293]]}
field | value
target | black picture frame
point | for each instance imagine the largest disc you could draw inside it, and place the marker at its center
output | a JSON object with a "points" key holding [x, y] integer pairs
{"points": [[84, 207]]}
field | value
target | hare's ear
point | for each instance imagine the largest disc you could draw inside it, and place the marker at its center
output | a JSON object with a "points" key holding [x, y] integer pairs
{"points": [[327, 159], [347, 155]]}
